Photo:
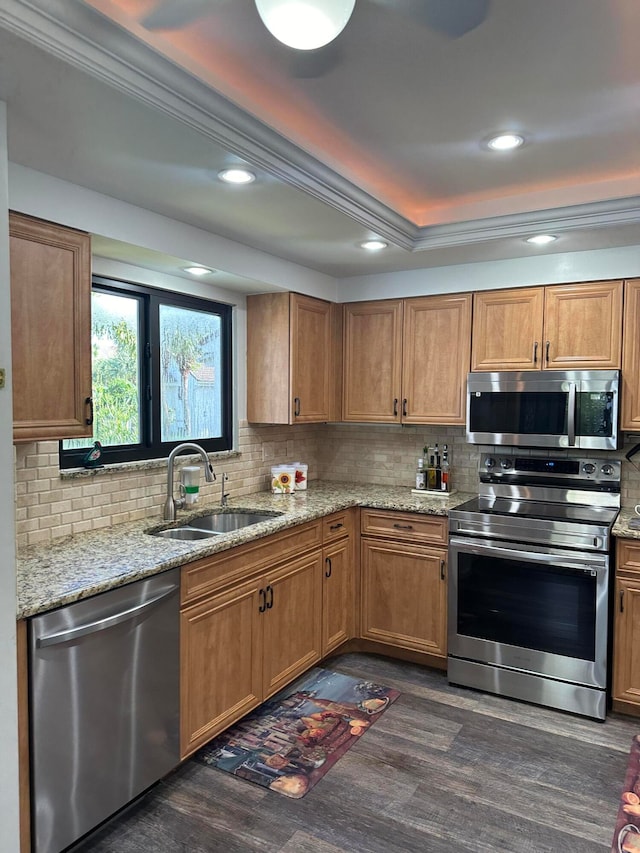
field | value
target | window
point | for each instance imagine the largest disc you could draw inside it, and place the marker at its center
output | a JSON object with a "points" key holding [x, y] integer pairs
{"points": [[161, 372]]}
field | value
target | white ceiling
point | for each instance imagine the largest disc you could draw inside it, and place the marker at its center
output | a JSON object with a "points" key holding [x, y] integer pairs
{"points": [[387, 141]]}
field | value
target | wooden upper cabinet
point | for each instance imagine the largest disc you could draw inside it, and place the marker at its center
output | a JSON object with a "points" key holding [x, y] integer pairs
{"points": [[507, 329], [583, 325], [50, 329], [630, 419], [561, 327], [372, 384], [436, 354], [293, 359]]}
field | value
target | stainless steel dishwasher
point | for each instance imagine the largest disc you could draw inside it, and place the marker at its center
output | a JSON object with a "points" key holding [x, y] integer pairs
{"points": [[104, 705]]}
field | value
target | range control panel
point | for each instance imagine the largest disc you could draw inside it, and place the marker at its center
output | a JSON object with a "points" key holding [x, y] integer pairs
{"points": [[602, 472]]}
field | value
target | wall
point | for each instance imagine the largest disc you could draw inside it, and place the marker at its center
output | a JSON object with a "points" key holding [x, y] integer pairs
{"points": [[9, 830]]}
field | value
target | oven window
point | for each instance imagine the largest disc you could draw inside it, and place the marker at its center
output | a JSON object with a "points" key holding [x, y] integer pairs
{"points": [[519, 412], [546, 608]]}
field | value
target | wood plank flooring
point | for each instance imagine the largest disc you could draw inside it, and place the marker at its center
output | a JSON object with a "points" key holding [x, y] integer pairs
{"points": [[444, 769]]}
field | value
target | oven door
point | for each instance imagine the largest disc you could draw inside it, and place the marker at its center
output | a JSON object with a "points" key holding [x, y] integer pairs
{"points": [[534, 609]]}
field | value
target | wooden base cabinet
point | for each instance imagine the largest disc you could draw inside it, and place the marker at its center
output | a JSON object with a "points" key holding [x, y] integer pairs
{"points": [[403, 593], [338, 555], [626, 648]]}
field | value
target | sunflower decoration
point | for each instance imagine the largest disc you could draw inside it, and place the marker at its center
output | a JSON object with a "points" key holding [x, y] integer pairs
{"points": [[283, 482]]}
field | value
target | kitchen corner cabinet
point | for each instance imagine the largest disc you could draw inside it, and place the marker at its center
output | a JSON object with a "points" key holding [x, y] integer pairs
{"points": [[251, 622], [338, 559], [630, 417], [626, 644], [50, 329], [406, 361], [561, 327], [293, 359], [403, 580]]}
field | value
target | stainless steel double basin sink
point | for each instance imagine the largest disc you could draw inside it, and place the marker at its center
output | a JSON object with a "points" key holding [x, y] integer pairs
{"points": [[214, 524]]}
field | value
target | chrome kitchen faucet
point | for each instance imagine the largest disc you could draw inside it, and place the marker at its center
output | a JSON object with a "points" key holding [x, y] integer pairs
{"points": [[171, 503]]}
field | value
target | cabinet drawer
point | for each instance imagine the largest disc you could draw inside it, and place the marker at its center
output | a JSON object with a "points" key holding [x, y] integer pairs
{"points": [[337, 526], [409, 526], [212, 573], [628, 555]]}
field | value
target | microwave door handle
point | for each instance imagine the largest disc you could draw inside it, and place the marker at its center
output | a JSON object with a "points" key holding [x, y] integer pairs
{"points": [[572, 414]]}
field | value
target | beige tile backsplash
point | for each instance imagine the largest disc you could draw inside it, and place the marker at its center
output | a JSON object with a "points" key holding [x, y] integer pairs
{"points": [[48, 507]]}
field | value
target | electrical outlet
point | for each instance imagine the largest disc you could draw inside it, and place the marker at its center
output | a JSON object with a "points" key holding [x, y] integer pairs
{"points": [[2, 375]]}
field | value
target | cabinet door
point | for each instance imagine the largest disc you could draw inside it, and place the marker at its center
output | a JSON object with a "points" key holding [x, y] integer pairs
{"points": [[583, 325], [221, 664], [626, 654], [292, 621], [311, 347], [50, 329], [403, 596], [337, 596], [372, 362], [507, 329], [435, 359], [631, 357]]}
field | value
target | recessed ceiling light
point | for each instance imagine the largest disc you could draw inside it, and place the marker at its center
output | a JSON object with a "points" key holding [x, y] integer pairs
{"points": [[505, 141], [373, 245], [541, 239], [236, 176], [198, 270]]}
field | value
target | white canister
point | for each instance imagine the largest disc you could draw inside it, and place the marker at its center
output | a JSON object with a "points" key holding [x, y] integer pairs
{"points": [[283, 479], [191, 481], [302, 472]]}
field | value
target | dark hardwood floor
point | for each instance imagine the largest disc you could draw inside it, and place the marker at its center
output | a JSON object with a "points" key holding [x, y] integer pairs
{"points": [[444, 769]]}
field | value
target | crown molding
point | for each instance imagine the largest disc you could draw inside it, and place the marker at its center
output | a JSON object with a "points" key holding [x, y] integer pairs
{"points": [[82, 37], [597, 214]]}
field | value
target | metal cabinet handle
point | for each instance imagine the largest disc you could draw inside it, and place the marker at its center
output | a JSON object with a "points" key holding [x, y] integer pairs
{"points": [[296, 411], [571, 415], [270, 602], [102, 624], [336, 526], [263, 604], [442, 568], [535, 352], [403, 526], [395, 406], [88, 401], [404, 407], [621, 601], [547, 345], [327, 573]]}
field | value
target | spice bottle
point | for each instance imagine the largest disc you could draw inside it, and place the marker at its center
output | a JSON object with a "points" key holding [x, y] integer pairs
{"points": [[421, 476]]}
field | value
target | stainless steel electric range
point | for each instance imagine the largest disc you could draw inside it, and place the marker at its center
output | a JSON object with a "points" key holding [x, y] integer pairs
{"points": [[529, 581]]}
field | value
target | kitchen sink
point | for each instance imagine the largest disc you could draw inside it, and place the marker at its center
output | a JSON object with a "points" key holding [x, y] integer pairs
{"points": [[213, 524]]}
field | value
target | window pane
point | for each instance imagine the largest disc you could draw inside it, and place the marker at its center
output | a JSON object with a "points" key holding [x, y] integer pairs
{"points": [[115, 371], [190, 374]]}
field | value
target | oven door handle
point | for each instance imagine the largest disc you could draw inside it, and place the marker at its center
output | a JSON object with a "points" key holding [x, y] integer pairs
{"points": [[571, 414], [497, 549]]}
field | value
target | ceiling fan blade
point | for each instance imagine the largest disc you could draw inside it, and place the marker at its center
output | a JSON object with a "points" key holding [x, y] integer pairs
{"points": [[451, 18], [174, 14]]}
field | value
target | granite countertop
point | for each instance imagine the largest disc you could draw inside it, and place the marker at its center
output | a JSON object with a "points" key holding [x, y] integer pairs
{"points": [[69, 569], [621, 526]]}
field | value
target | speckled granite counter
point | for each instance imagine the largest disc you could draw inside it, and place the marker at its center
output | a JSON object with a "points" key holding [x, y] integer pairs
{"points": [[621, 527], [76, 567]]}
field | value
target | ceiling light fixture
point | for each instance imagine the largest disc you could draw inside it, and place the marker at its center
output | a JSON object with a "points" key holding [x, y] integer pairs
{"points": [[196, 270], [505, 141], [305, 24], [541, 239], [236, 175], [373, 245]]}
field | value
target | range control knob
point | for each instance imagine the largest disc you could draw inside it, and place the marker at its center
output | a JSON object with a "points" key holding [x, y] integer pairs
{"points": [[490, 462], [607, 469], [505, 464], [588, 468]]}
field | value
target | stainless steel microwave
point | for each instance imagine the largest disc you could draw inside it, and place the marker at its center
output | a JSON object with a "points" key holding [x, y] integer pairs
{"points": [[544, 408]]}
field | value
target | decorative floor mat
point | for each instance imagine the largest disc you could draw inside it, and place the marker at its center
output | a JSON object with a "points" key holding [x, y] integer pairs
{"points": [[626, 837], [294, 738]]}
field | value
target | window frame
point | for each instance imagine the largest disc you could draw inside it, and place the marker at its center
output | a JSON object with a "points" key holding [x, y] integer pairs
{"points": [[150, 446]]}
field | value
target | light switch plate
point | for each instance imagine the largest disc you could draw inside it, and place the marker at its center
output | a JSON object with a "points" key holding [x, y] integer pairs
{"points": [[2, 375]]}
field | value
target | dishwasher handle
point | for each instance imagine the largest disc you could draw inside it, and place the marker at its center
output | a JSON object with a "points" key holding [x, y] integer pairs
{"points": [[102, 624]]}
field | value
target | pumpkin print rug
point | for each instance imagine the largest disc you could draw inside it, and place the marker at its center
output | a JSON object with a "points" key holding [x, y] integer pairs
{"points": [[626, 836], [294, 738]]}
